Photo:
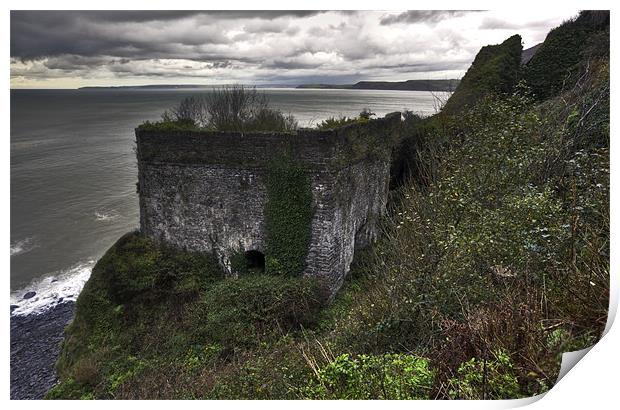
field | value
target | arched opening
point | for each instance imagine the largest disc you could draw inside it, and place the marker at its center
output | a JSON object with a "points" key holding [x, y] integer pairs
{"points": [[255, 261]]}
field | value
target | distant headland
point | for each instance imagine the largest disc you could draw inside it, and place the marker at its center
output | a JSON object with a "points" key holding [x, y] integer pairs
{"points": [[409, 85]]}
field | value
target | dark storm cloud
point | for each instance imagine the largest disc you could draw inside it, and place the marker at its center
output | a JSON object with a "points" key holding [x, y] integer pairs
{"points": [[416, 16], [38, 34]]}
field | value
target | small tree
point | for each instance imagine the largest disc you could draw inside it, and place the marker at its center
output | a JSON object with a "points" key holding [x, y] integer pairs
{"points": [[190, 110], [231, 108], [237, 108]]}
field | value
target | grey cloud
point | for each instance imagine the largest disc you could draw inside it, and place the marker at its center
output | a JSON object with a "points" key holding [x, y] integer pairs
{"points": [[265, 26], [416, 16], [288, 64], [493, 23], [73, 62]]}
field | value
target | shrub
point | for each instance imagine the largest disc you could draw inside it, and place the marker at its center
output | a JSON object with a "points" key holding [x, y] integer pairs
{"points": [[86, 371], [387, 377], [230, 108], [136, 265], [69, 390], [515, 213], [237, 108], [416, 156], [333, 122], [191, 111], [271, 371], [554, 66], [244, 311], [486, 379]]}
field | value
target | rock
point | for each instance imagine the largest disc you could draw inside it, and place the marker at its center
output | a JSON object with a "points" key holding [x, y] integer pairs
{"points": [[35, 346], [30, 294]]}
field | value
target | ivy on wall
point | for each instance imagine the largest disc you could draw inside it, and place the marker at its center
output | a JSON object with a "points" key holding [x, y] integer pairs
{"points": [[288, 216]]}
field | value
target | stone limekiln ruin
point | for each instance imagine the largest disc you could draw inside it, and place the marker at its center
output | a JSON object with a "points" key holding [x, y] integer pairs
{"points": [[208, 191]]}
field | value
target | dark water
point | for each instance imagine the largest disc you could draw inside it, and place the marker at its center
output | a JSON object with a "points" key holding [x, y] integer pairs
{"points": [[73, 172]]}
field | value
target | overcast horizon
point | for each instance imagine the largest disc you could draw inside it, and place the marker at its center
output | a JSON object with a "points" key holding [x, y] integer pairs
{"points": [[72, 49]]}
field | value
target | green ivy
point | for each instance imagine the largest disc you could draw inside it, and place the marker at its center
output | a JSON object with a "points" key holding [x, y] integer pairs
{"points": [[288, 215]]}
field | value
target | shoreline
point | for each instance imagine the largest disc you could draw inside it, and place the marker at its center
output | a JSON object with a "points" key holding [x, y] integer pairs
{"points": [[35, 346]]}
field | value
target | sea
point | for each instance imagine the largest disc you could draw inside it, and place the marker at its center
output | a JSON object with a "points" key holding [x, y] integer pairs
{"points": [[74, 173]]}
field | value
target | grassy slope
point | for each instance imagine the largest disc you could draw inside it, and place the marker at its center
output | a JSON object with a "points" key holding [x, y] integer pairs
{"points": [[494, 70], [489, 267]]}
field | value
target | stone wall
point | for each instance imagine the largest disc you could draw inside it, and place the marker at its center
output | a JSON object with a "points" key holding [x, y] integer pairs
{"points": [[347, 203], [205, 191]]}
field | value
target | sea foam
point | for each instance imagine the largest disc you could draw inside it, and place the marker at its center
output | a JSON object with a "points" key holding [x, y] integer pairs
{"points": [[57, 287], [106, 215], [23, 246]]}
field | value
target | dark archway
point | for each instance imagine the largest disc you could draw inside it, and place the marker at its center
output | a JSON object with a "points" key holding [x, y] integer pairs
{"points": [[255, 261]]}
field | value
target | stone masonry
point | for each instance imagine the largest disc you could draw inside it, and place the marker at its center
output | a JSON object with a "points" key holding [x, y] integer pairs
{"points": [[205, 191]]}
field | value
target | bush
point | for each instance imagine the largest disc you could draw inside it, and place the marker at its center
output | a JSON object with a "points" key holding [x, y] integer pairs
{"points": [[230, 108], [333, 122], [236, 108], [486, 379], [191, 111], [387, 377], [244, 311], [69, 390], [136, 265], [554, 67], [415, 157]]}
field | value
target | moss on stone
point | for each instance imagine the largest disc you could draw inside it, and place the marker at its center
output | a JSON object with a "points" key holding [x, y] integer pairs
{"points": [[168, 125]]}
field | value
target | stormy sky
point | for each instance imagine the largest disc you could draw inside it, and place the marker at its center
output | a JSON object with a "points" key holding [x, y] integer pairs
{"points": [[69, 49]]}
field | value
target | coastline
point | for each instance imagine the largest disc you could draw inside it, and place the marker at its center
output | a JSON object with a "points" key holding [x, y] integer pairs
{"points": [[35, 346]]}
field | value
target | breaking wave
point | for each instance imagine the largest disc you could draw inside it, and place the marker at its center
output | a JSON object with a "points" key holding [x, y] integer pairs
{"points": [[57, 287], [23, 246]]}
